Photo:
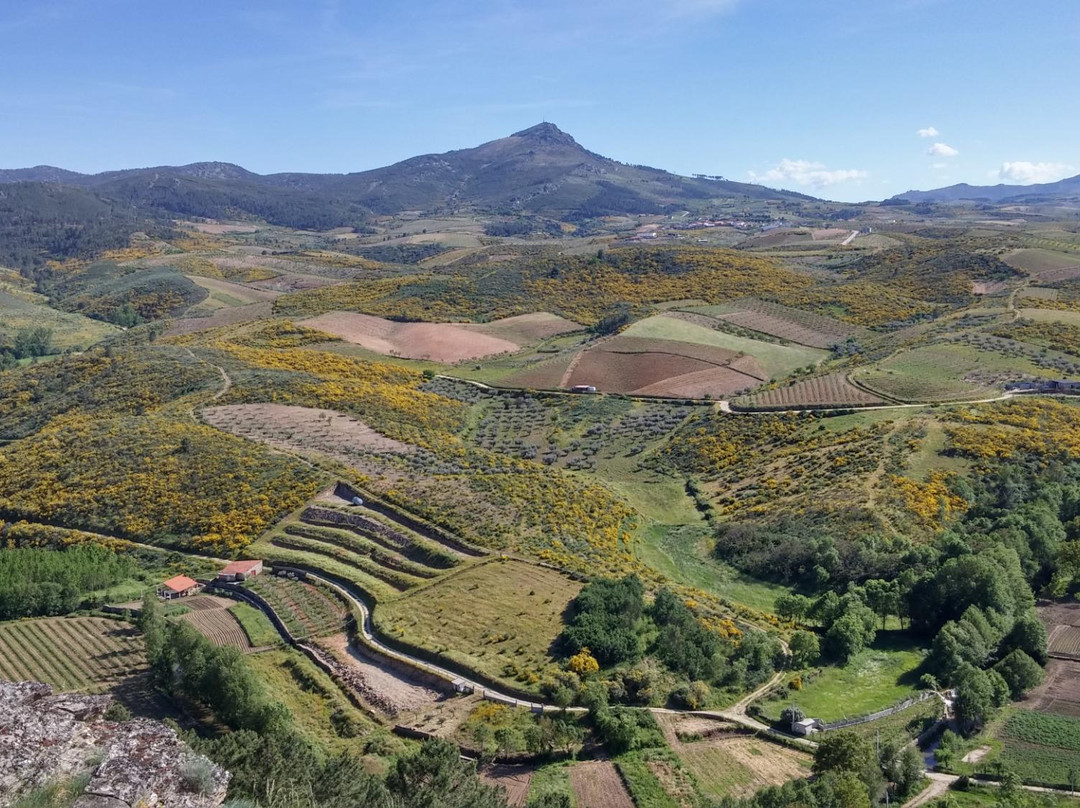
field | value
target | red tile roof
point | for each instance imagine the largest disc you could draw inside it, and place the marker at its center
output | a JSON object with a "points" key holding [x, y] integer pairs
{"points": [[181, 583], [239, 567]]}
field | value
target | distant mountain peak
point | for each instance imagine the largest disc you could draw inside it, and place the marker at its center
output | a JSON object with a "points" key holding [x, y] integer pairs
{"points": [[547, 133]]}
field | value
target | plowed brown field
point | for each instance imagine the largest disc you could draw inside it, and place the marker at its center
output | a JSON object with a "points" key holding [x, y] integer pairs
{"points": [[597, 784]]}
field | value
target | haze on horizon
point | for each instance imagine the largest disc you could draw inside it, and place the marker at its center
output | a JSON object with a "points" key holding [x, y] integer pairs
{"points": [[851, 101]]}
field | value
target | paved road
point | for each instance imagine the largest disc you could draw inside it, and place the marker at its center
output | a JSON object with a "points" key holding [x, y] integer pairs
{"points": [[849, 239]]}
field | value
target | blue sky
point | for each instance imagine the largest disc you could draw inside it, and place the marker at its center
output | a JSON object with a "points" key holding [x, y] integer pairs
{"points": [[827, 98]]}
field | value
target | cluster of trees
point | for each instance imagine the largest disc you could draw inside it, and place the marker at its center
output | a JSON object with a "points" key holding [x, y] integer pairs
{"points": [[26, 343], [612, 623], [271, 762], [38, 581]]}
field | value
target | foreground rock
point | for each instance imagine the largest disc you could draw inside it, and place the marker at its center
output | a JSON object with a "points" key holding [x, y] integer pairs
{"points": [[48, 737]]}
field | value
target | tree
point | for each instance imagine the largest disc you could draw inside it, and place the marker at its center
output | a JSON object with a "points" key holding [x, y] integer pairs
{"points": [[793, 607], [883, 597], [791, 716], [974, 697], [846, 637], [842, 752], [805, 649], [1029, 635], [1020, 672], [436, 777], [906, 771], [845, 752]]}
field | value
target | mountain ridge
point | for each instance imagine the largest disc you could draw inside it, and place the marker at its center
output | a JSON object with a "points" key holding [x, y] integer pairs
{"points": [[1065, 189], [539, 170]]}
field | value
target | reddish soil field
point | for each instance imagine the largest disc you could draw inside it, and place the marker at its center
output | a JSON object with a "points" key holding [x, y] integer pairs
{"points": [[544, 375], [704, 353], [1061, 274], [714, 382], [514, 779], [597, 784], [439, 342], [1062, 622], [824, 391], [655, 366], [624, 372], [780, 327], [988, 287]]}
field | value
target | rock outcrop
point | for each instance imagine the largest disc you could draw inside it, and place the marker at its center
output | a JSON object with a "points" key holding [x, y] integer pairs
{"points": [[48, 737]]}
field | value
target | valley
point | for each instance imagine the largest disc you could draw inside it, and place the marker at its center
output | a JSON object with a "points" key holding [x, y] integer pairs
{"points": [[607, 499]]}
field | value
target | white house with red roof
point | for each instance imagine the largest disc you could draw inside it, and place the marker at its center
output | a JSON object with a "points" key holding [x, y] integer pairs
{"points": [[179, 587]]}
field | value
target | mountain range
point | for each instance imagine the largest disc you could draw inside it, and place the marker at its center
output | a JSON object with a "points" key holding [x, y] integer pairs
{"points": [[1060, 192], [540, 170]]}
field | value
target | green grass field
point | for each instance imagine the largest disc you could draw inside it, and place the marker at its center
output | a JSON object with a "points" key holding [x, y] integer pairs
{"points": [[1041, 748], [777, 360], [740, 766], [27, 310], [256, 625], [943, 372], [1051, 316], [499, 618], [875, 679], [319, 709]]}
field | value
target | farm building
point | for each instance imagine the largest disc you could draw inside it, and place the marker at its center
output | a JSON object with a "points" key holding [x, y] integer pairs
{"points": [[583, 388], [241, 570], [806, 727], [179, 587]]}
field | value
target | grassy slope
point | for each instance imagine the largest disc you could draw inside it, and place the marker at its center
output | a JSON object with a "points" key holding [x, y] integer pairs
{"points": [[499, 618], [777, 360], [69, 330], [875, 679]]}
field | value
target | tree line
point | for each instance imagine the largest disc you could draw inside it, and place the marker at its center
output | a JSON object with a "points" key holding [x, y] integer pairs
{"points": [[38, 582]]}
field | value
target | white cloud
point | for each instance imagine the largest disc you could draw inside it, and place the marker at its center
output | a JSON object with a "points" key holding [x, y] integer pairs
{"points": [[1023, 172], [942, 150], [928, 132], [807, 172]]}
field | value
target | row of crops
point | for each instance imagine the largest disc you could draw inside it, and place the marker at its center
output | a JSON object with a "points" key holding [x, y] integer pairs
{"points": [[81, 653], [305, 609]]}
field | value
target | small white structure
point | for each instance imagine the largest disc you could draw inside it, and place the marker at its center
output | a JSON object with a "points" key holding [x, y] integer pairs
{"points": [[583, 388], [807, 726]]}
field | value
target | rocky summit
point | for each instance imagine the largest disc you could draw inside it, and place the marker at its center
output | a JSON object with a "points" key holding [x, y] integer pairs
{"points": [[48, 738]]}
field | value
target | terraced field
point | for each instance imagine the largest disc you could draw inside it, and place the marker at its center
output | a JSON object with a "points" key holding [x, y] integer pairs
{"points": [[90, 654], [381, 557], [305, 609]]}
